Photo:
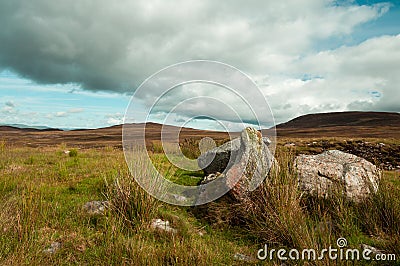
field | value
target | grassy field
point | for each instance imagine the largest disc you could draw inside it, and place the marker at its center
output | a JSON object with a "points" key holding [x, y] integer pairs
{"points": [[43, 190]]}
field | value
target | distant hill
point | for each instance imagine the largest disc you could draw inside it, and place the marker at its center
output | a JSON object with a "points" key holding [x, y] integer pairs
{"points": [[26, 127], [364, 119], [100, 137], [343, 124]]}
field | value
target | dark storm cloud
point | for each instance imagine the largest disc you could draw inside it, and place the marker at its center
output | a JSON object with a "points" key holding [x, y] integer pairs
{"points": [[62, 42]]}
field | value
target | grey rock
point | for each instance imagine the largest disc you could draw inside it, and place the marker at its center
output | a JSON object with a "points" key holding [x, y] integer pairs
{"points": [[211, 177], [243, 257], [219, 158], [243, 163], [179, 197], [158, 224], [53, 248], [374, 250], [291, 144], [252, 167], [222, 157], [95, 207], [266, 141], [338, 171], [201, 233]]}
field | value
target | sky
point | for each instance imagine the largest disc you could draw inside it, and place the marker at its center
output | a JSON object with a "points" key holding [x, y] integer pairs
{"points": [[76, 64]]}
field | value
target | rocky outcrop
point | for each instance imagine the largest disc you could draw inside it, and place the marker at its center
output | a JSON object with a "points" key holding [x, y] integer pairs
{"points": [[243, 163], [333, 170]]}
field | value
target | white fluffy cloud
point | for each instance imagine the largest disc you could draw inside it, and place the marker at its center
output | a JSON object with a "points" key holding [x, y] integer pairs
{"points": [[76, 110], [360, 77], [114, 119], [8, 109]]}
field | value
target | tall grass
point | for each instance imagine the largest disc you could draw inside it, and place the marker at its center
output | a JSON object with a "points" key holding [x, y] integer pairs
{"points": [[127, 199], [379, 215], [276, 215]]}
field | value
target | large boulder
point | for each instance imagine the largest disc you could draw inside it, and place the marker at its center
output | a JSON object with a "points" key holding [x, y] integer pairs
{"points": [[219, 158], [224, 156], [322, 174], [243, 162]]}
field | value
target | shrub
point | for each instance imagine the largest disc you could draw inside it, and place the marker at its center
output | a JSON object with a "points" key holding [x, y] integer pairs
{"points": [[73, 153], [156, 146]]}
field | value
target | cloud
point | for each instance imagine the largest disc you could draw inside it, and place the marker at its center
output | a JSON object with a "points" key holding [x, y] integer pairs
{"points": [[64, 113], [61, 114], [359, 77], [10, 104], [76, 110], [9, 108], [114, 119], [105, 45]]}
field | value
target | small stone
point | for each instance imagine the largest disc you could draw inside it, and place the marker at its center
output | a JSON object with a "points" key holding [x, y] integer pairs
{"points": [[201, 233], [96, 207], [243, 257], [211, 177], [373, 249], [53, 248], [290, 144], [266, 141], [158, 224], [179, 197]]}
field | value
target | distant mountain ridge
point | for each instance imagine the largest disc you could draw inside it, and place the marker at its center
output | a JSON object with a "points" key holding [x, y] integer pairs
{"points": [[338, 124], [27, 128], [337, 119], [23, 126]]}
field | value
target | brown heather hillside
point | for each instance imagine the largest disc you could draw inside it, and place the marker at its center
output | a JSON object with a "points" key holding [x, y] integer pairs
{"points": [[363, 119], [344, 124], [101, 137]]}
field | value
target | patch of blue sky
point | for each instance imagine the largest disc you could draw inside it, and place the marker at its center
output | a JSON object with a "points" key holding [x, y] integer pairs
{"points": [[307, 77], [387, 24], [375, 94], [59, 105]]}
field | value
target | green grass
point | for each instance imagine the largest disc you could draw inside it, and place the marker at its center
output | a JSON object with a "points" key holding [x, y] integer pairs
{"points": [[42, 191], [176, 174]]}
